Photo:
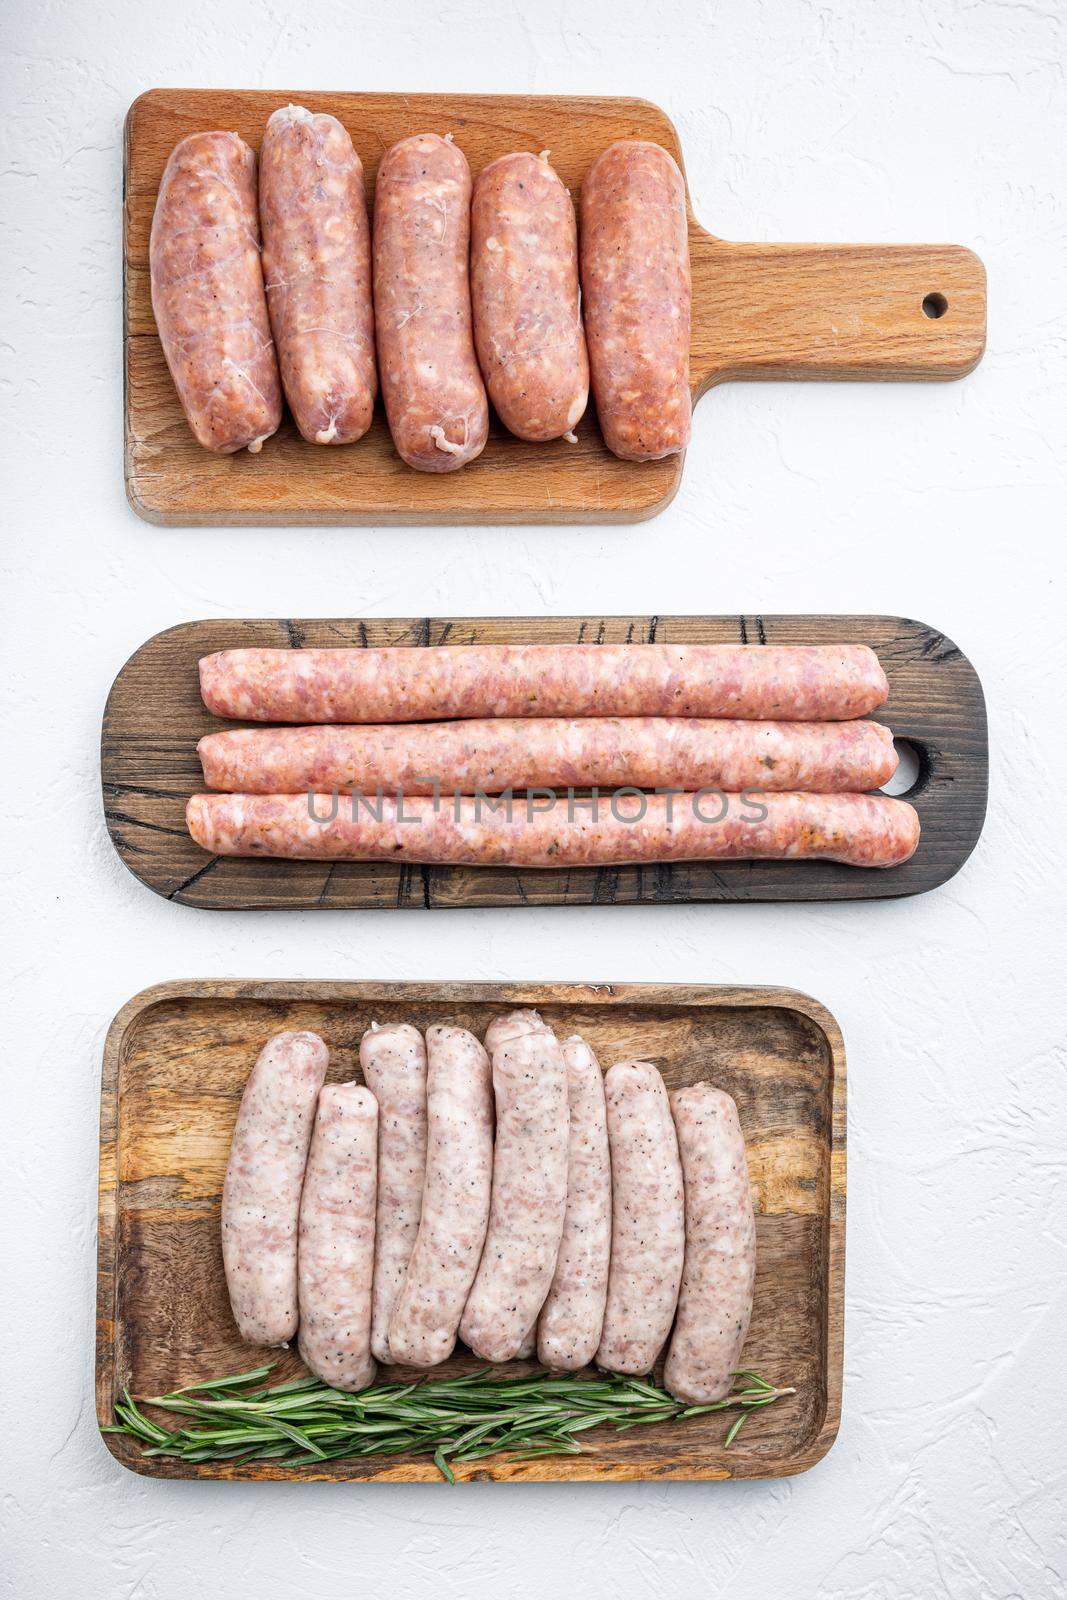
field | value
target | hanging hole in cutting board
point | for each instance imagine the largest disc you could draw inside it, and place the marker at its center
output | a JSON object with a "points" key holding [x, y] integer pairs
{"points": [[934, 306], [909, 769]]}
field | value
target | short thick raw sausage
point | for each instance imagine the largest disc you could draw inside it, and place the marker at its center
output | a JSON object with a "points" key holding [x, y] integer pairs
{"points": [[207, 293], [636, 295], [524, 292], [859, 830], [647, 1219], [488, 757], [572, 1317], [512, 1025], [264, 1177], [783, 683], [719, 1273], [316, 266], [336, 1257], [434, 395], [455, 1199], [529, 1196], [393, 1060]]}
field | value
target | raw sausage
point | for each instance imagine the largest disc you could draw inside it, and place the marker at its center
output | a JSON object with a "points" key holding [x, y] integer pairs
{"points": [[207, 293], [511, 1026], [524, 292], [455, 1199], [529, 1196], [636, 295], [572, 1318], [786, 683], [264, 1176], [647, 1219], [336, 1257], [629, 828], [316, 266], [715, 1302], [434, 395], [393, 1060], [555, 753]]}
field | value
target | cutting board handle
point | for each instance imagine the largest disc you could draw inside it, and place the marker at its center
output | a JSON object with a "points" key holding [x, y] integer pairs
{"points": [[834, 311]]}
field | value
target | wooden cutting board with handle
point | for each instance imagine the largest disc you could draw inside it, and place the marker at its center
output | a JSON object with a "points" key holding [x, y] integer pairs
{"points": [[759, 311]]}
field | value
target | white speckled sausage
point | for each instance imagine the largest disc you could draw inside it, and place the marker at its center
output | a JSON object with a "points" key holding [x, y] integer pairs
{"points": [[572, 1318], [393, 1060], [858, 830], [336, 1257], [524, 291], [264, 1177], [529, 1196], [316, 265], [434, 395], [455, 1199], [647, 1219], [636, 296], [715, 1302], [512, 1025], [784, 683], [489, 757], [207, 293]]}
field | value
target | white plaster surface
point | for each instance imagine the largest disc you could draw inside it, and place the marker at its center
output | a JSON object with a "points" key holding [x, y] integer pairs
{"points": [[903, 121]]}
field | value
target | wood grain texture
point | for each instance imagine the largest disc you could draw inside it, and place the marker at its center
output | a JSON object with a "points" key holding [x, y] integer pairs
{"points": [[175, 1064], [759, 311], [154, 717]]}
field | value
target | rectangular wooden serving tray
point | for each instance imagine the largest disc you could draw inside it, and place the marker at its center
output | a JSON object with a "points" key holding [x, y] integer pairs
{"points": [[154, 717], [759, 311], [175, 1064]]}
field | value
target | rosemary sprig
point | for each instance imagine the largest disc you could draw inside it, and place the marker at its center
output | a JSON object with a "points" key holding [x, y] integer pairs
{"points": [[304, 1421]]}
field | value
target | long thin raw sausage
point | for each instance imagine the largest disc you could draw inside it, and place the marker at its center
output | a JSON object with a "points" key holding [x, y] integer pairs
{"points": [[719, 1273], [264, 1177], [783, 683], [636, 295], [207, 293], [544, 830], [433, 391], [316, 265], [647, 1219], [336, 1256], [489, 757], [393, 1059], [572, 1317], [455, 1199], [524, 292], [529, 1196]]}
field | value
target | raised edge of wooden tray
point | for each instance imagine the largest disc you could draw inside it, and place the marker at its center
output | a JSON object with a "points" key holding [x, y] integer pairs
{"points": [[175, 1061], [154, 717]]}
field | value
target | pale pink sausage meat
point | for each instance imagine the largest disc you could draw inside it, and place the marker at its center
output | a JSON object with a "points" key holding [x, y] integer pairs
{"points": [[336, 1257], [715, 1303], [207, 293], [572, 1317], [647, 1219], [529, 1196], [264, 1177], [317, 270], [783, 683], [455, 1199], [636, 296], [393, 1059], [858, 830], [489, 757], [512, 1025], [524, 292], [434, 396]]}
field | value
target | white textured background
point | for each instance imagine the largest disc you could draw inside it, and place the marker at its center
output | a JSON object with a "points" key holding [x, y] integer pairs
{"points": [[905, 121]]}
